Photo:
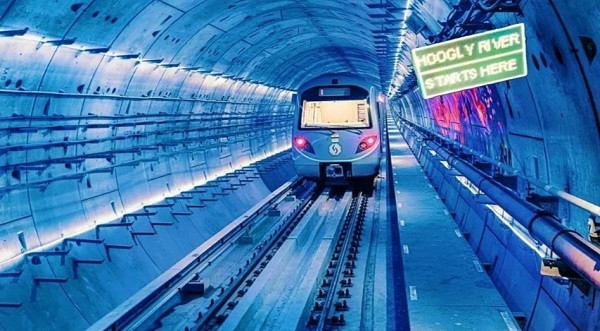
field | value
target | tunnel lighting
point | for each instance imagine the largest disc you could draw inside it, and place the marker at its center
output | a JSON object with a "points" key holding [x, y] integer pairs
{"points": [[542, 250], [396, 75]]}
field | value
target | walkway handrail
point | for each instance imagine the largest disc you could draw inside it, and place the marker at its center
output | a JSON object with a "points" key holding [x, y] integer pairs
{"points": [[579, 254], [575, 200]]}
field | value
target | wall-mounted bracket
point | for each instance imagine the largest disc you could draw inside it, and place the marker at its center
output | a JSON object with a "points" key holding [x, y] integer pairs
{"points": [[560, 272], [181, 197], [170, 65], [97, 50], [195, 206], [197, 191], [77, 262], [161, 205], [155, 224], [11, 274], [111, 225], [136, 214], [156, 61], [35, 256], [135, 234], [181, 213], [594, 230], [79, 241], [60, 42], [127, 56], [209, 199], [108, 247], [57, 280], [13, 33]]}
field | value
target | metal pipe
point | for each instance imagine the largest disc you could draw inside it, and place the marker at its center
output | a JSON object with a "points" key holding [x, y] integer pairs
{"points": [[80, 175], [572, 199], [69, 127], [580, 254], [45, 145]]}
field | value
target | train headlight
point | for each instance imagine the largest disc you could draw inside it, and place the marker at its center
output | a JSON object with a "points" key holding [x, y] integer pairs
{"points": [[366, 143], [302, 144]]}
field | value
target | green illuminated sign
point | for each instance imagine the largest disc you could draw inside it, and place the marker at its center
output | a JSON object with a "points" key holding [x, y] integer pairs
{"points": [[471, 61]]}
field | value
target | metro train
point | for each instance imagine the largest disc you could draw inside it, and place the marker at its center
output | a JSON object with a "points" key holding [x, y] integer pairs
{"points": [[337, 132]]}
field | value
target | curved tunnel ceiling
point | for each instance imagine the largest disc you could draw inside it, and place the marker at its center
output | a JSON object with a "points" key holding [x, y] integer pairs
{"points": [[279, 43]]}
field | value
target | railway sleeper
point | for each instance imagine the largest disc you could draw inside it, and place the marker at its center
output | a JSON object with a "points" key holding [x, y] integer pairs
{"points": [[338, 320], [318, 306], [341, 306], [346, 282], [344, 293], [322, 293]]}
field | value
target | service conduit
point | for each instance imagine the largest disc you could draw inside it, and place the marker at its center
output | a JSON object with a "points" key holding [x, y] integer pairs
{"points": [[573, 249]]}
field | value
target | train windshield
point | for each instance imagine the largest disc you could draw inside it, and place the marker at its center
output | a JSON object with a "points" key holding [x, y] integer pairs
{"points": [[335, 114]]}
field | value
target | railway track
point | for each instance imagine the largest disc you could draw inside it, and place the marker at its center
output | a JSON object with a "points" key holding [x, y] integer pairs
{"points": [[329, 303], [323, 251], [227, 299], [152, 303]]}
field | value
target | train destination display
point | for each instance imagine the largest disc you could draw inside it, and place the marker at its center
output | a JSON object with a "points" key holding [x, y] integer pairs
{"points": [[471, 61]]}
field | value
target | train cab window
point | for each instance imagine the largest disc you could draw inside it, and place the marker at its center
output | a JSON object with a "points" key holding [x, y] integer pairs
{"points": [[339, 107], [335, 114]]}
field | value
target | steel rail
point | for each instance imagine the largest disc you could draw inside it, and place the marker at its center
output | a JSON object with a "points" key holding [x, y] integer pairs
{"points": [[328, 303], [210, 319]]}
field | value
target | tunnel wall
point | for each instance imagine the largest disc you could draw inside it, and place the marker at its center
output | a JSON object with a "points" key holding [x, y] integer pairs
{"points": [[552, 131], [107, 107], [88, 279], [473, 117], [109, 135]]}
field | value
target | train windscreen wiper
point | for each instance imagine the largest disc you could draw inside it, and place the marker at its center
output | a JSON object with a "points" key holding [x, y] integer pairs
{"points": [[358, 132]]}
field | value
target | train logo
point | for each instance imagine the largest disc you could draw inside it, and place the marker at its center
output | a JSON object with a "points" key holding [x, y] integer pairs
{"points": [[335, 149]]}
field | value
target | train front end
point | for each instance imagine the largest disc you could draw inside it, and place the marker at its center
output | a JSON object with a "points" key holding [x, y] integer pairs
{"points": [[337, 134]]}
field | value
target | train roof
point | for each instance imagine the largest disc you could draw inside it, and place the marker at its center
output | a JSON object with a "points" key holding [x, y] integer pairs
{"points": [[335, 79]]}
